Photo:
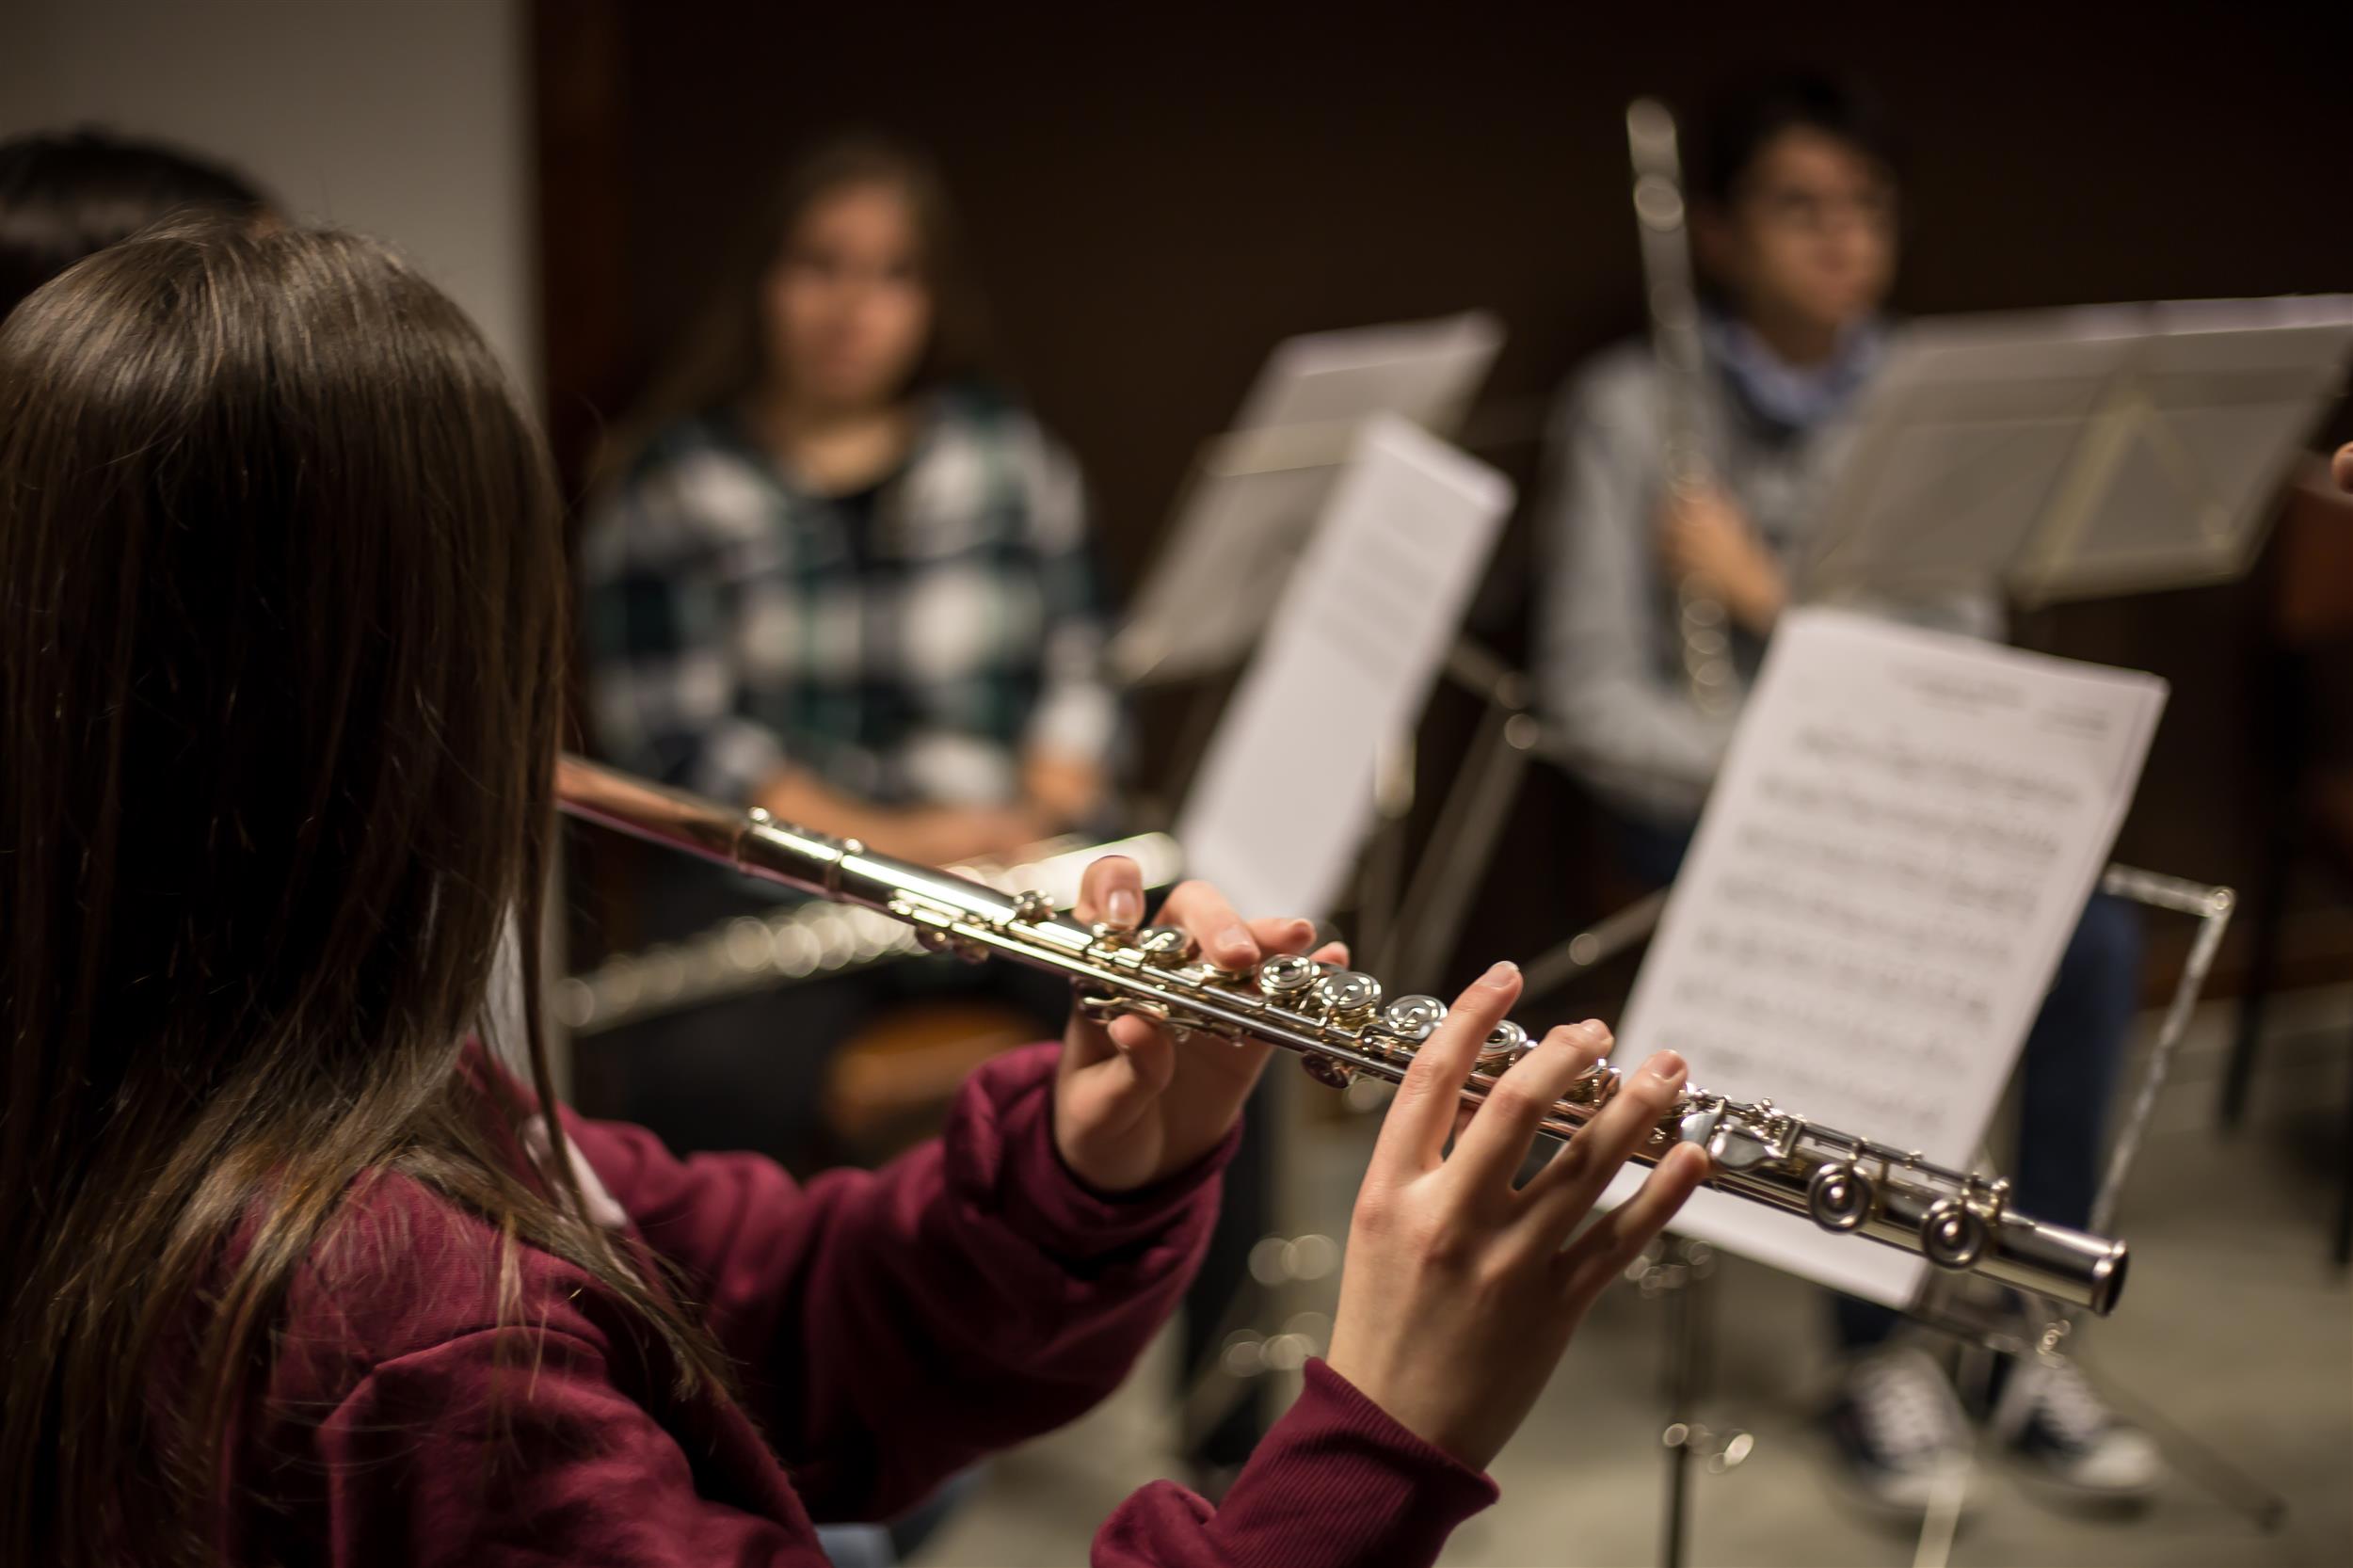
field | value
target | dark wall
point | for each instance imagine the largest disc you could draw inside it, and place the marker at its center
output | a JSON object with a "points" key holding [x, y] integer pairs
{"points": [[1155, 195]]}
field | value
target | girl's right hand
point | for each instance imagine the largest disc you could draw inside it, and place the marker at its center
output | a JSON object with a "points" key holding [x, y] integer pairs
{"points": [[1460, 1292]]}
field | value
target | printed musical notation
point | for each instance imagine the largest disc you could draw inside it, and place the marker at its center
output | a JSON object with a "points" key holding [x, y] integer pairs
{"points": [[1355, 642], [1905, 832]]}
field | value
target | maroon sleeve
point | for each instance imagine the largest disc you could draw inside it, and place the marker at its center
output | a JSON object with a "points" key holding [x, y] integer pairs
{"points": [[512, 1446], [895, 1324], [1337, 1483]]}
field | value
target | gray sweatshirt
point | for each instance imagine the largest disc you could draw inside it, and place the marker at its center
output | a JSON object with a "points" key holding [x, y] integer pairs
{"points": [[1610, 658]]}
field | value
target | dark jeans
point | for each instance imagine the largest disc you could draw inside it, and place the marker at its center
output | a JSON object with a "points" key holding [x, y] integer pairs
{"points": [[2066, 1076]]}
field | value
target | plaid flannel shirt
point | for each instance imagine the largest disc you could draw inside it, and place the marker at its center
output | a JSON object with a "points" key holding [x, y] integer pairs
{"points": [[737, 623]]}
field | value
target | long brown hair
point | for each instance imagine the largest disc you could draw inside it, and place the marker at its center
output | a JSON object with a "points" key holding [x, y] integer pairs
{"points": [[280, 635], [721, 356]]}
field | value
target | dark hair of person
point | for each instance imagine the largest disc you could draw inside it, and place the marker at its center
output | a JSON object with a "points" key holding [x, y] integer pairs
{"points": [[65, 195], [1738, 123], [282, 640], [723, 355]]}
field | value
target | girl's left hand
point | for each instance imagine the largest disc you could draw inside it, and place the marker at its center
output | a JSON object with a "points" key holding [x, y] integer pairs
{"points": [[1131, 1105]]}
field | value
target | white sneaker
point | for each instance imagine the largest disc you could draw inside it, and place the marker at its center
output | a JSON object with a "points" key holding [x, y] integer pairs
{"points": [[2056, 1424], [1898, 1428]]}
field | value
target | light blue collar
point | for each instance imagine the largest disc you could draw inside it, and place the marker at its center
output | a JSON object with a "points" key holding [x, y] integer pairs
{"points": [[1795, 397]]}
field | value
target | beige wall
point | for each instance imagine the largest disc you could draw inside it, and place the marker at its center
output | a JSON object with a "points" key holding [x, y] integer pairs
{"points": [[406, 118]]}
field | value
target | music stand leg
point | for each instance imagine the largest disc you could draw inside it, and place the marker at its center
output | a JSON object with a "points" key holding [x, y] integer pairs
{"points": [[1939, 1524], [2239, 1074], [1679, 1278], [1471, 816], [1592, 947], [2212, 906], [1381, 867], [1683, 1330]]}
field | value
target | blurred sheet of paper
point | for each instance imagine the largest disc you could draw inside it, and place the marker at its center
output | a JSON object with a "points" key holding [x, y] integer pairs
{"points": [[1248, 508], [2074, 453], [1422, 370], [1285, 793], [1904, 835]]}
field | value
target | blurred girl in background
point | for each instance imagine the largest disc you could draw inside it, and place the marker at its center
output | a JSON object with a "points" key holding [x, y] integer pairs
{"points": [[835, 573]]}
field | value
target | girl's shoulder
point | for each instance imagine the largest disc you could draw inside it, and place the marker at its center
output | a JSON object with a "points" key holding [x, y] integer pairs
{"points": [[404, 1264], [404, 1267]]}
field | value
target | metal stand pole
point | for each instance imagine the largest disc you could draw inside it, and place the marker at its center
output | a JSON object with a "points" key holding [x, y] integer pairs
{"points": [[1594, 946], [1382, 900], [2013, 1332], [1683, 1330], [1678, 1276], [1939, 1522], [1471, 815], [2212, 906]]}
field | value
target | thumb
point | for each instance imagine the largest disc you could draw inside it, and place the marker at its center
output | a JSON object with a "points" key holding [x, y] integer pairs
{"points": [[1110, 1094]]}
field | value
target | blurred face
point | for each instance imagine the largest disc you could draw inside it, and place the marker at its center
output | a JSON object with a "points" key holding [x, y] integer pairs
{"points": [[1809, 239], [846, 308]]}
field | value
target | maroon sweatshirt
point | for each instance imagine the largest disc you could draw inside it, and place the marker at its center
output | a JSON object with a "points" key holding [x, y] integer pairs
{"points": [[891, 1326]]}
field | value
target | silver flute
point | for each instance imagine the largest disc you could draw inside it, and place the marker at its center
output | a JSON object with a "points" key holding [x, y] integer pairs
{"points": [[1341, 1026], [1672, 305]]}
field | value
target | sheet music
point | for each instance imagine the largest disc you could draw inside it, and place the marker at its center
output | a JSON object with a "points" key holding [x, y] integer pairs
{"points": [[1284, 796], [1246, 514], [1423, 371], [1905, 832]]}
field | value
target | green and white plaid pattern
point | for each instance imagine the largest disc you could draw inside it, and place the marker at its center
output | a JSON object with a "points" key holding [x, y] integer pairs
{"points": [[735, 622]]}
